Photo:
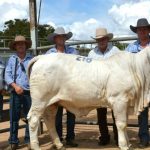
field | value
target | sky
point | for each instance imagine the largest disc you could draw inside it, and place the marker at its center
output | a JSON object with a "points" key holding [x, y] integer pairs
{"points": [[81, 17]]}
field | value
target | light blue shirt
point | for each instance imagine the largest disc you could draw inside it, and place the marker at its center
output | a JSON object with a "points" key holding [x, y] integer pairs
{"points": [[135, 47], [96, 53], [21, 76], [68, 50], [1, 60]]}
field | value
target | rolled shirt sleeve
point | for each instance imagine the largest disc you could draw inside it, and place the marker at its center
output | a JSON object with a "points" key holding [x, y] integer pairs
{"points": [[8, 72], [133, 47]]}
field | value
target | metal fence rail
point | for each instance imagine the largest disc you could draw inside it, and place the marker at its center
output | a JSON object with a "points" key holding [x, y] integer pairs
{"points": [[82, 46], [85, 42]]}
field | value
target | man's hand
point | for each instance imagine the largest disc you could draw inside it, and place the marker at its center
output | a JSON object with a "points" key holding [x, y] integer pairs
{"points": [[17, 88]]}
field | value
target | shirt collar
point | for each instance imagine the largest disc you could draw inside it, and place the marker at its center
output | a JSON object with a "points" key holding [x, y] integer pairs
{"points": [[26, 57], [107, 50], [138, 42], [139, 46], [65, 51]]}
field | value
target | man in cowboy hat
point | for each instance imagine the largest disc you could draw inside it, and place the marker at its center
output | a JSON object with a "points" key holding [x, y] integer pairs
{"points": [[58, 38], [16, 78], [142, 29], [102, 51]]}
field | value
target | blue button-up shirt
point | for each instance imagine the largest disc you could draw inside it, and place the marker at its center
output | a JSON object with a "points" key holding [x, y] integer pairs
{"points": [[21, 76], [68, 50], [135, 47], [96, 53], [1, 60]]}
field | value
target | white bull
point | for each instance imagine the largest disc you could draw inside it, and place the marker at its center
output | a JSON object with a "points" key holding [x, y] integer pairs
{"points": [[81, 84]]}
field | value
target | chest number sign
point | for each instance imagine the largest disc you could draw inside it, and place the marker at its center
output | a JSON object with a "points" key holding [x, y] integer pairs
{"points": [[85, 59]]}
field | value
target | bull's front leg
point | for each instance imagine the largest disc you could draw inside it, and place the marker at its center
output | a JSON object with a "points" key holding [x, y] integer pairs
{"points": [[33, 120], [49, 118], [122, 136], [120, 112]]}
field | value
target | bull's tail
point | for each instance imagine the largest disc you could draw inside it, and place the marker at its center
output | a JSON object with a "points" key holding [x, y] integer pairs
{"points": [[31, 63]]}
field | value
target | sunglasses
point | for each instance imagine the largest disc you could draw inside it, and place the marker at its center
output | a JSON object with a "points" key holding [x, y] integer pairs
{"points": [[22, 67]]}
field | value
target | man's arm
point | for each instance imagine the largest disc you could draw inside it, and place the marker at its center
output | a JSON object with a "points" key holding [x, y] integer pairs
{"points": [[8, 72]]}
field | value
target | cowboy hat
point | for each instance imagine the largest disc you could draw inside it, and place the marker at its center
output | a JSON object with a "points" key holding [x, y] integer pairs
{"points": [[59, 31], [102, 32], [20, 38], [140, 23]]}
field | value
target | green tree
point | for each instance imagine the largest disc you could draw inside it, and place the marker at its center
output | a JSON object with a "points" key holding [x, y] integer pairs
{"points": [[83, 50], [17, 27], [22, 27], [121, 46], [43, 32]]}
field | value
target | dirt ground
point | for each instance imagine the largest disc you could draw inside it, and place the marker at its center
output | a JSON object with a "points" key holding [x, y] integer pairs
{"points": [[86, 135]]}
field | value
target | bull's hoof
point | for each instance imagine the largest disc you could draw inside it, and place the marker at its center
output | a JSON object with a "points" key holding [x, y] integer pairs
{"points": [[34, 146], [130, 148], [62, 148], [55, 148], [127, 148]]}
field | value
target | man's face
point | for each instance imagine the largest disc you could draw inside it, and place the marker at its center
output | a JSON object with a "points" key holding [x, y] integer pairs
{"points": [[103, 43], [143, 32], [60, 40], [20, 47]]}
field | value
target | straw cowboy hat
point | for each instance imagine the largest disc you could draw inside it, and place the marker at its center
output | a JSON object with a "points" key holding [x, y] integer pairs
{"points": [[140, 23], [20, 38], [59, 31], [102, 32]]}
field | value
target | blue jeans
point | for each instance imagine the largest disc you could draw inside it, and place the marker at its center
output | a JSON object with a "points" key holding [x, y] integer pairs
{"points": [[70, 124], [143, 126], [1, 106], [18, 103]]}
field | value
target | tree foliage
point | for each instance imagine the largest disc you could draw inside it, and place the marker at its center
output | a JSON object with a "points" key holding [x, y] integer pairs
{"points": [[44, 30], [121, 46], [83, 50], [17, 27], [22, 27]]}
